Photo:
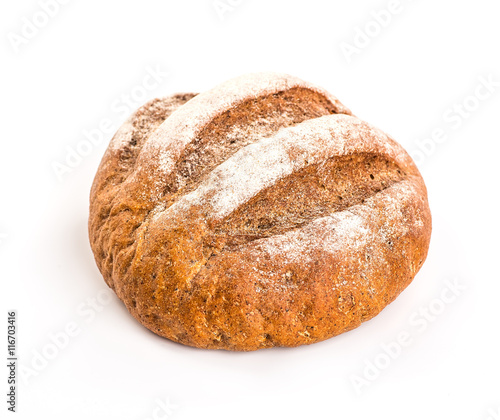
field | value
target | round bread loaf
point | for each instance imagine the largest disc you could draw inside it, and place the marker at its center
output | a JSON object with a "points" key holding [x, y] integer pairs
{"points": [[260, 213]]}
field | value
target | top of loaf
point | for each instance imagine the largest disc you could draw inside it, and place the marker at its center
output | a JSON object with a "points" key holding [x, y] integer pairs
{"points": [[187, 120], [209, 115], [185, 124]]}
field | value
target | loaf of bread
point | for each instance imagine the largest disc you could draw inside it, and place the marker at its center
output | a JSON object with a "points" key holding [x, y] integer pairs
{"points": [[260, 213]]}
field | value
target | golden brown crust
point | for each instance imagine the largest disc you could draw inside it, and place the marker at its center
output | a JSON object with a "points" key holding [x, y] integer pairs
{"points": [[258, 214]]}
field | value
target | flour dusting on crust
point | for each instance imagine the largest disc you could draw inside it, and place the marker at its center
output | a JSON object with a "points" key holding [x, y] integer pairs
{"points": [[260, 165]]}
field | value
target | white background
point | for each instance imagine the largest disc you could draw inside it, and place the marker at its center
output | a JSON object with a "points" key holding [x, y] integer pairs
{"points": [[67, 77]]}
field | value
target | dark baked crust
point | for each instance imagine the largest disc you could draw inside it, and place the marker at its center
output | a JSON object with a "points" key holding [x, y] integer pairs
{"points": [[258, 214]]}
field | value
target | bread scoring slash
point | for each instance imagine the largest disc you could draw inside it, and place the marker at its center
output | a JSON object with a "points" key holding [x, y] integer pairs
{"points": [[260, 213]]}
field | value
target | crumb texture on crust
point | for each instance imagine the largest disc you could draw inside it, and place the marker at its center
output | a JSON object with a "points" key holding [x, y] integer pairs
{"points": [[260, 213]]}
